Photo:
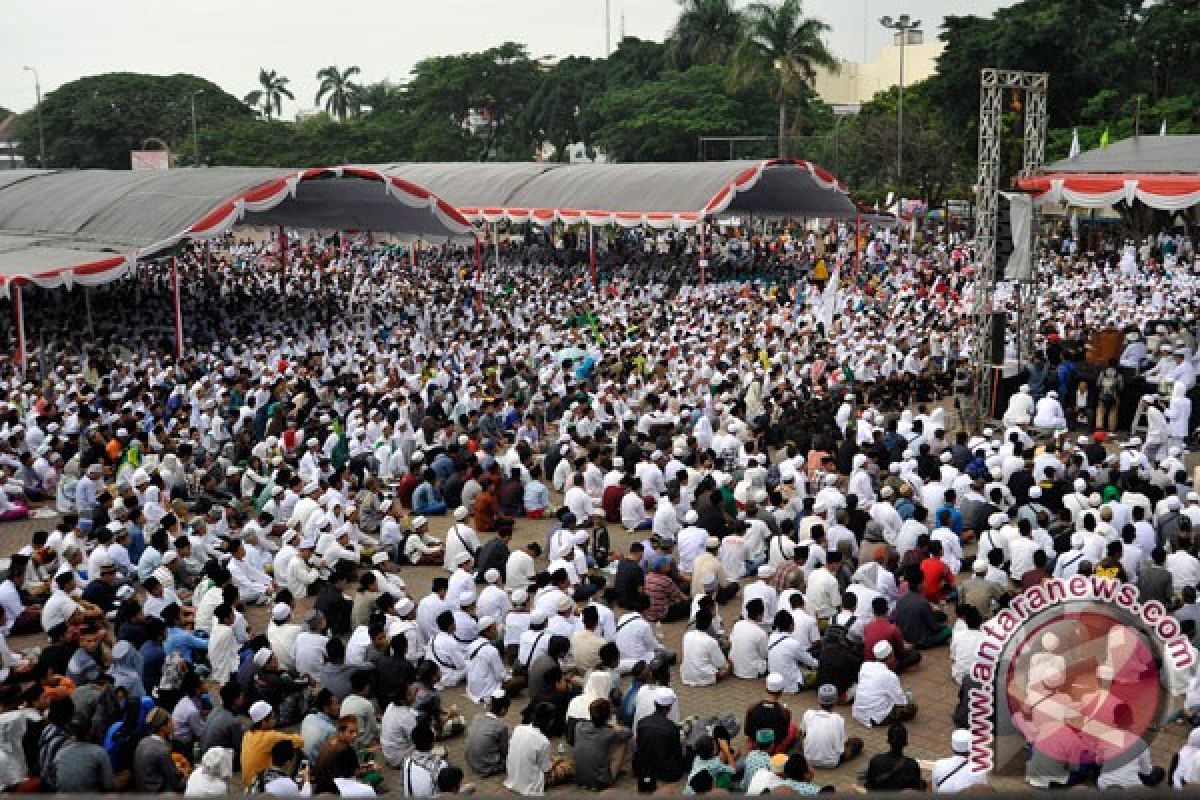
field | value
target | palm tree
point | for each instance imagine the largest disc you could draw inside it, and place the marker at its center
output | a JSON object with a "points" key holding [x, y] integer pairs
{"points": [[707, 32], [783, 46], [270, 96], [342, 92]]}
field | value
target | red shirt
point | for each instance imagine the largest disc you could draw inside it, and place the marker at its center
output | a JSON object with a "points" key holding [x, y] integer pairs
{"points": [[610, 501], [937, 579], [881, 630]]}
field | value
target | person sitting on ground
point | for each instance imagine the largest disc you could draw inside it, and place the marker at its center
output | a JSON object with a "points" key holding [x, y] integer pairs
{"points": [[880, 699], [893, 770], [602, 749], [824, 731]]}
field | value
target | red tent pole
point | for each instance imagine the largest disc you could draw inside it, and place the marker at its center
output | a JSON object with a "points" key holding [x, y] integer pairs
{"points": [[857, 249], [703, 251], [592, 255], [178, 309], [19, 319], [416, 252], [283, 242]]}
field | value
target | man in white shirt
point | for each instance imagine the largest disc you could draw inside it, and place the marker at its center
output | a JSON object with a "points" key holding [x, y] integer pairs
{"points": [[788, 657], [692, 539], [823, 596], [460, 538], [880, 699], [520, 569], [530, 766], [310, 646], [703, 662], [636, 640], [61, 606], [825, 742], [956, 773], [748, 643], [281, 635], [485, 669], [763, 591]]}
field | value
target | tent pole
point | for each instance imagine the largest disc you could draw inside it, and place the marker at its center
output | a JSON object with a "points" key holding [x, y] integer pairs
{"points": [[592, 253], [178, 308], [478, 260], [703, 252], [857, 248], [282, 246], [416, 251], [496, 242], [87, 304], [19, 319]]}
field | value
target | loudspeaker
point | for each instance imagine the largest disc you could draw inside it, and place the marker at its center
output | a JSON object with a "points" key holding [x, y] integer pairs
{"points": [[999, 329]]}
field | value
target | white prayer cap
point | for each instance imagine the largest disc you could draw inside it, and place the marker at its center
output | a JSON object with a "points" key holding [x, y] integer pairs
{"points": [[379, 558], [404, 606], [262, 656], [882, 650], [520, 596], [774, 682], [466, 599], [418, 521], [260, 711], [960, 741], [280, 612], [665, 697], [691, 517], [461, 513], [462, 558]]}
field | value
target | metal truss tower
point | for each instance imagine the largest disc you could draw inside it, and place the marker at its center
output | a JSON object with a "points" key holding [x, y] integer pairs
{"points": [[1031, 87]]}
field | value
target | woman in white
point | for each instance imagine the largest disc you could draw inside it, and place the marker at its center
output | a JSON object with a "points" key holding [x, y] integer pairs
{"points": [[597, 686], [212, 777], [223, 645]]}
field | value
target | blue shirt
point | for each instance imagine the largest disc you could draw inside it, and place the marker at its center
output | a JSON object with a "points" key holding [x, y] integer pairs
{"points": [[184, 642], [956, 519], [153, 657], [536, 495]]}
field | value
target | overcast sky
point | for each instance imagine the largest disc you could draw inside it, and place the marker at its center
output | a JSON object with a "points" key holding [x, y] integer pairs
{"points": [[227, 41]]}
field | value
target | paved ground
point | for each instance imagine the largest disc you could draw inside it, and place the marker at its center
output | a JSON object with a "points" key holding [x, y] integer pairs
{"points": [[931, 683]]}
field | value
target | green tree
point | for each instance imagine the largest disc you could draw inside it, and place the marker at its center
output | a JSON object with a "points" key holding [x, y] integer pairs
{"points": [[270, 96], [707, 32], [339, 90], [635, 61], [560, 111], [784, 48], [661, 120], [95, 121]]}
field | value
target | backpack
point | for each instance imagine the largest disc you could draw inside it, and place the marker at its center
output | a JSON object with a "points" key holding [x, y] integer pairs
{"points": [[837, 635], [601, 546]]}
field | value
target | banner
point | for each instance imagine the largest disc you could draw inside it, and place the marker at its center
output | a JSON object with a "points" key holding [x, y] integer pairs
{"points": [[1020, 263]]}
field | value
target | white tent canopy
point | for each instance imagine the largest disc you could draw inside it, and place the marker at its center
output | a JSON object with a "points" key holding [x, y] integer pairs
{"points": [[58, 228]]}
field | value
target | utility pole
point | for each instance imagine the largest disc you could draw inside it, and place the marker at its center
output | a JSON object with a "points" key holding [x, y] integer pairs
{"points": [[37, 88], [902, 25], [607, 28]]}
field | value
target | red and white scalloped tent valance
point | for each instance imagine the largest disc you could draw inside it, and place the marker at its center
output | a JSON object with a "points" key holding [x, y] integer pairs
{"points": [[91, 226], [1094, 190], [677, 195]]}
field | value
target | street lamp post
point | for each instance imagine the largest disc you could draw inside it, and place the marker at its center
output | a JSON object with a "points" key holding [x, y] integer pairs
{"points": [[37, 88], [902, 25], [195, 138]]}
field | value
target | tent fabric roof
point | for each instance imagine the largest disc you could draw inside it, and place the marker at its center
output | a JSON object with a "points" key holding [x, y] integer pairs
{"points": [[91, 226], [1162, 172], [660, 195], [1138, 154]]}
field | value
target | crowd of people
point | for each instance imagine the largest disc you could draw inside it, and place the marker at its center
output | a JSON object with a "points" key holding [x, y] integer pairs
{"points": [[213, 587]]}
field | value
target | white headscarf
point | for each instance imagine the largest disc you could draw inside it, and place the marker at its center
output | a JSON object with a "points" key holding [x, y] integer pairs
{"points": [[597, 687]]}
